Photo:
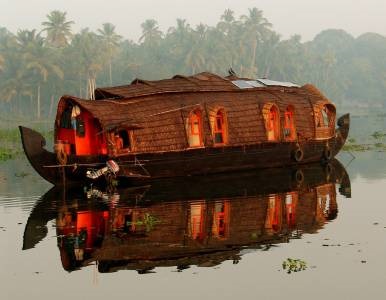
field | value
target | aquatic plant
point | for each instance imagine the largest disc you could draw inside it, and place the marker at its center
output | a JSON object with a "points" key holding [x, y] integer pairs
{"points": [[10, 142], [7, 153], [294, 265], [378, 135], [9, 135], [148, 221], [351, 141], [356, 147]]}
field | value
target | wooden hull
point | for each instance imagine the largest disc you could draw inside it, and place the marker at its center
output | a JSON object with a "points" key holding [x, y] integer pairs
{"points": [[183, 163]]}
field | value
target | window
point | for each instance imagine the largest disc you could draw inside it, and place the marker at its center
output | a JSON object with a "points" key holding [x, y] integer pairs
{"points": [[219, 128], [121, 141], [291, 200], [124, 136], [274, 214], [289, 124], [324, 121], [194, 129], [325, 117], [197, 221], [326, 208], [272, 123], [221, 219]]}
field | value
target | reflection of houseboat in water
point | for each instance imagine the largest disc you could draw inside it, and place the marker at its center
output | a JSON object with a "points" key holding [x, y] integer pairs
{"points": [[188, 125], [172, 223]]}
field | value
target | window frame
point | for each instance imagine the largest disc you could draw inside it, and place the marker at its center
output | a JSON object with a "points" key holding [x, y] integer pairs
{"points": [[123, 150], [195, 116], [220, 115], [289, 124], [272, 125]]}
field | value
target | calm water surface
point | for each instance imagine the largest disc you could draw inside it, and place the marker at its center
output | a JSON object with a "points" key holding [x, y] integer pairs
{"points": [[217, 237]]}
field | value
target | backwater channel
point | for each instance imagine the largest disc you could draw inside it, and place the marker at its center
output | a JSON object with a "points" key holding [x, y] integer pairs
{"points": [[217, 237]]}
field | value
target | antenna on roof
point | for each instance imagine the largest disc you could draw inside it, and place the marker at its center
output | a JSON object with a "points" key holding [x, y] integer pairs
{"points": [[231, 72]]}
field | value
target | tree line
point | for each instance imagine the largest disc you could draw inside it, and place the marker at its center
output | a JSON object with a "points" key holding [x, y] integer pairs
{"points": [[38, 66]]}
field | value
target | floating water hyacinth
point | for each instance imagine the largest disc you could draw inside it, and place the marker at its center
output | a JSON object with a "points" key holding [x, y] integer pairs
{"points": [[294, 265]]}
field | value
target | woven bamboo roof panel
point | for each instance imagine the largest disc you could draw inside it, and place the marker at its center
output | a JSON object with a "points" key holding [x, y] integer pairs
{"points": [[158, 110]]}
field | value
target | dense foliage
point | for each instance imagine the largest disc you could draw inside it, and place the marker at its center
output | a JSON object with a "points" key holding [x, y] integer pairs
{"points": [[37, 67]]}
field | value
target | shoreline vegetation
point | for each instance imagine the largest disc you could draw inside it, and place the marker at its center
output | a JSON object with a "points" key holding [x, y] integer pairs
{"points": [[10, 143], [376, 142], [39, 65]]}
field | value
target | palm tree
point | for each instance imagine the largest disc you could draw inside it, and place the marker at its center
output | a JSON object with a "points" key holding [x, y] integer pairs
{"points": [[25, 38], [16, 85], [39, 60], [110, 41], [256, 28], [181, 31], [227, 20], [269, 52], [58, 29], [195, 58], [231, 29], [178, 43], [151, 35], [86, 51]]}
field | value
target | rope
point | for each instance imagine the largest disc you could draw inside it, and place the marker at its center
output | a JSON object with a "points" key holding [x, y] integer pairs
{"points": [[61, 155]]}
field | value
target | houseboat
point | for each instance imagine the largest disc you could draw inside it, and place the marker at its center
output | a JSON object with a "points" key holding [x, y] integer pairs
{"points": [[183, 126], [177, 222]]}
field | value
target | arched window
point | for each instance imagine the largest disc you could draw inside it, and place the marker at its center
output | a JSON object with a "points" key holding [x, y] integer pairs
{"points": [[219, 128], [324, 121], [326, 116], [272, 121], [289, 124], [194, 129]]}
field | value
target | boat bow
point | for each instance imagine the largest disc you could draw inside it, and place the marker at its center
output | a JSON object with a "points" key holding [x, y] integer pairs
{"points": [[342, 132], [33, 145]]}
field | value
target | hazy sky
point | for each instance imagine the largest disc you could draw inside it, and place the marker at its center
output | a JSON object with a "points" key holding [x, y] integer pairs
{"points": [[305, 17]]}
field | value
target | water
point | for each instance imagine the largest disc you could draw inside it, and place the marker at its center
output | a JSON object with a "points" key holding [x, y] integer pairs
{"points": [[215, 237]]}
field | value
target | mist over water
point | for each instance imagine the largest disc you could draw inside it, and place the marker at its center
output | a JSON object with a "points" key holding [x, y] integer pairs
{"points": [[218, 237]]}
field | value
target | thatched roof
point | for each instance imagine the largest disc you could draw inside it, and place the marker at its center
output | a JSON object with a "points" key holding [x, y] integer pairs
{"points": [[203, 82], [158, 108]]}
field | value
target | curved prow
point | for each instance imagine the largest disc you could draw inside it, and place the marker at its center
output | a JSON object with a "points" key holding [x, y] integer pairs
{"points": [[342, 132], [342, 178], [33, 145]]}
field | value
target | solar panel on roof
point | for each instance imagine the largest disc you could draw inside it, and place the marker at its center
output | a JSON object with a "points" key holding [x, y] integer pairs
{"points": [[255, 83], [247, 84], [269, 82]]}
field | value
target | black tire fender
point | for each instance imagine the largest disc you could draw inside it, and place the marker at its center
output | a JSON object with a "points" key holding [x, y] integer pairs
{"points": [[298, 154], [298, 176]]}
